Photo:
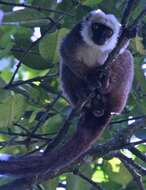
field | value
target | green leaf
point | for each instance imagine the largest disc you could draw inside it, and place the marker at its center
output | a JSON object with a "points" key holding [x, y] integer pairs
{"points": [[66, 6], [76, 183], [38, 94], [33, 58], [12, 107], [53, 123], [49, 45], [6, 75], [91, 3], [99, 176], [6, 42], [44, 3], [139, 87], [2, 83], [4, 96], [117, 171], [86, 170], [25, 17], [51, 185], [139, 46], [78, 13]]}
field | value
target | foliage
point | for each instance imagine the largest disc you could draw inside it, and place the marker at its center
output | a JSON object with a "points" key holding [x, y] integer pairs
{"points": [[32, 111]]}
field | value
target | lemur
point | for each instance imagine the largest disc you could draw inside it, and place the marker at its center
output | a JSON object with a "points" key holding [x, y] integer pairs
{"points": [[83, 51]]}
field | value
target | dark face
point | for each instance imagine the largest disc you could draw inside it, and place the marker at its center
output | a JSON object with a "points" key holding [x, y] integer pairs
{"points": [[100, 33]]}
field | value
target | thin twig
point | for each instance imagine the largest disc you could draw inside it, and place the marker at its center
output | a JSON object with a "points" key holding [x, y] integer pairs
{"points": [[126, 120], [21, 50], [41, 147], [35, 136], [139, 17], [21, 127], [131, 168], [141, 170], [120, 140], [131, 4], [19, 64], [136, 152], [37, 8], [62, 132], [137, 178], [124, 37], [17, 142], [45, 116], [39, 78], [23, 56], [138, 142], [65, 127], [94, 184]]}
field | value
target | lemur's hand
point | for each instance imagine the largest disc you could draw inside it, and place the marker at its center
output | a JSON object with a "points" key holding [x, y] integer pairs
{"points": [[97, 79]]}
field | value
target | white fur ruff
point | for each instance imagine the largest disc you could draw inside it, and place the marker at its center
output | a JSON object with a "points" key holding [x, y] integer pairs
{"points": [[107, 19]]}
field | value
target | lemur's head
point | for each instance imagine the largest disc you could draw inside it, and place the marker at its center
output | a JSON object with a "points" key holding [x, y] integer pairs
{"points": [[100, 30]]}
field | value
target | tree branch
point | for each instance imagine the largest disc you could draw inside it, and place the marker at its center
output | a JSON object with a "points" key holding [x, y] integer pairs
{"points": [[130, 6], [120, 140], [45, 116], [61, 132], [39, 78], [19, 64], [139, 18], [137, 153], [124, 37], [141, 170], [129, 119]]}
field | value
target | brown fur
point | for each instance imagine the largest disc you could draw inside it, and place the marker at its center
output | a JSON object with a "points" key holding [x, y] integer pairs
{"points": [[74, 70]]}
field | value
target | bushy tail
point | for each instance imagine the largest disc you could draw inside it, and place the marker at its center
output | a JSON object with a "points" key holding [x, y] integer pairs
{"points": [[88, 131]]}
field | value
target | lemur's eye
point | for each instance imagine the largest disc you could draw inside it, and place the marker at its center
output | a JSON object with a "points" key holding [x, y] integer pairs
{"points": [[95, 25], [110, 32]]}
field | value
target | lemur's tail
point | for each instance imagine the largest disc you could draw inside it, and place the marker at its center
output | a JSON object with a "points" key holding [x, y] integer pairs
{"points": [[88, 130]]}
